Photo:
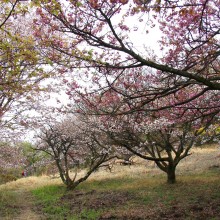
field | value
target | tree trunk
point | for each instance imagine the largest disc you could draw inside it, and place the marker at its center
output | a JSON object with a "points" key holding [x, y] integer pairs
{"points": [[72, 185], [171, 175]]}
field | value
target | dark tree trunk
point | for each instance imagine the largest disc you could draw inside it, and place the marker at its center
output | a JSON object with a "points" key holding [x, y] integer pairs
{"points": [[72, 185], [171, 174]]}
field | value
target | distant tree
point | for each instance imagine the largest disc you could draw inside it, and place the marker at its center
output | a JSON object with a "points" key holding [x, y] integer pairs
{"points": [[10, 156], [34, 162], [211, 136]]}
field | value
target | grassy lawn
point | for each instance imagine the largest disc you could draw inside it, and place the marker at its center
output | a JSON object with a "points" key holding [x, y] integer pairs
{"points": [[193, 197], [138, 192]]}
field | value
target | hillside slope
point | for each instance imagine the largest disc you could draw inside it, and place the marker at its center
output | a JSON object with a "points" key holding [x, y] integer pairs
{"points": [[136, 192]]}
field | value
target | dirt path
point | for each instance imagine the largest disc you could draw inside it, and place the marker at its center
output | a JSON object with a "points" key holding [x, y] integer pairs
{"points": [[26, 206], [18, 200], [23, 207]]}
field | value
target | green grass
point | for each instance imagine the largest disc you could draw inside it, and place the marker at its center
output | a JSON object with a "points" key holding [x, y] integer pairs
{"points": [[125, 197], [89, 214], [48, 198], [129, 197], [49, 194], [132, 194]]}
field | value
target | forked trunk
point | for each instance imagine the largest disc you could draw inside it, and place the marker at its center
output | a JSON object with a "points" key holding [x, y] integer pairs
{"points": [[72, 185]]}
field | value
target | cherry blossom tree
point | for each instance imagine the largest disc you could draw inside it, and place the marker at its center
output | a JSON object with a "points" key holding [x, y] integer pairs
{"points": [[74, 145], [10, 156], [99, 36], [157, 140], [111, 73], [165, 136], [23, 68], [99, 40], [158, 136], [12, 162]]}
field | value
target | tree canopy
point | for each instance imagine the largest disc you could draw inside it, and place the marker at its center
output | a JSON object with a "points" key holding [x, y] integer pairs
{"points": [[99, 51]]}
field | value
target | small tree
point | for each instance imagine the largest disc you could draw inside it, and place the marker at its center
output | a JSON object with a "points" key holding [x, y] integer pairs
{"points": [[165, 146], [74, 145], [11, 162]]}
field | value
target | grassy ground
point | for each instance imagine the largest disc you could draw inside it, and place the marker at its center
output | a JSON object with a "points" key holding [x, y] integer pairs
{"points": [[138, 192]]}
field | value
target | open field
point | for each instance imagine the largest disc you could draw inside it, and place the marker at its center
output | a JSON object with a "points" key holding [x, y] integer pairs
{"points": [[136, 192]]}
